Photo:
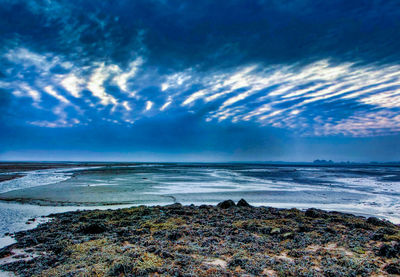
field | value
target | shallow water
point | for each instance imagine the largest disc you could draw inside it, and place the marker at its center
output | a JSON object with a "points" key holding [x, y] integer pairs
{"points": [[366, 190]]}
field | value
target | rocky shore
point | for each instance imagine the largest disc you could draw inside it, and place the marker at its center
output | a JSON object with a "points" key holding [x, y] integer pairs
{"points": [[224, 240]]}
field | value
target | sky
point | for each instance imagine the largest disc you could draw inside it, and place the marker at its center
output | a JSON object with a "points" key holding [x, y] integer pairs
{"points": [[159, 80]]}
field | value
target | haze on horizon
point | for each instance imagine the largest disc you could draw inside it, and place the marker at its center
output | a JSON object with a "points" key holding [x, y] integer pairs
{"points": [[159, 80]]}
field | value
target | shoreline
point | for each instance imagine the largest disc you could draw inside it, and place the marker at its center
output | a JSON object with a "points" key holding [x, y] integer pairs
{"points": [[164, 240], [116, 205]]}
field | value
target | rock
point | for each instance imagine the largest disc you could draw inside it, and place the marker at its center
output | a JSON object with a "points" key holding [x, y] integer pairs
{"points": [[174, 236], [275, 231], [360, 225], [175, 206], [330, 230], [20, 256], [93, 228], [288, 235], [243, 203], [304, 228], [119, 269], [246, 239], [377, 236], [5, 252], [380, 233], [237, 261], [226, 204], [388, 231], [141, 241], [389, 251], [392, 268], [315, 213], [377, 222], [166, 255], [264, 230]]}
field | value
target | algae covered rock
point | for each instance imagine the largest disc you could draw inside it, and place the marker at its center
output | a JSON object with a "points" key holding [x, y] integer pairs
{"points": [[315, 213], [389, 251], [226, 204], [93, 228], [275, 231], [228, 240], [243, 203], [377, 222], [393, 268]]}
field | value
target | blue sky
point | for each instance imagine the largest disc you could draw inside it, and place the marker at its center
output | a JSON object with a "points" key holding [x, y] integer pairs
{"points": [[158, 80]]}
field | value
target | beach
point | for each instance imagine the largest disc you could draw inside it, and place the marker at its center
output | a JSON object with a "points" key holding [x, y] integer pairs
{"points": [[304, 220]]}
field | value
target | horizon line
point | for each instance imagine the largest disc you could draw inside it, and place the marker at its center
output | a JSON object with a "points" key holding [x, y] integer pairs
{"points": [[315, 162]]}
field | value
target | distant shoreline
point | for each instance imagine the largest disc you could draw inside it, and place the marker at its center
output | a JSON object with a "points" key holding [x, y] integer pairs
{"points": [[32, 165], [9, 177]]}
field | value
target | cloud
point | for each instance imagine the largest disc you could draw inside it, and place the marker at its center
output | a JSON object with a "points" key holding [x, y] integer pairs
{"points": [[124, 77], [28, 58], [96, 82], [285, 96], [125, 104], [166, 104], [318, 72], [149, 105], [34, 94], [193, 97], [73, 85], [279, 94], [50, 90]]}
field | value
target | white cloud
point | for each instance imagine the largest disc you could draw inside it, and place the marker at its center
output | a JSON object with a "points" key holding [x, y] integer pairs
{"points": [[169, 101], [125, 104], [73, 85], [299, 88], [197, 95], [50, 90], [122, 79], [149, 104], [24, 90], [27, 58], [176, 80], [309, 99], [96, 81]]}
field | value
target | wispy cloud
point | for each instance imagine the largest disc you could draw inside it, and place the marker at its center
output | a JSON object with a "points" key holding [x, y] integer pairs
{"points": [[329, 79], [96, 83], [321, 98], [123, 78], [73, 85], [149, 105]]}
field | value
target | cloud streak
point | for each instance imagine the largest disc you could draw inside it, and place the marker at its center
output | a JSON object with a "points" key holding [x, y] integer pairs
{"points": [[315, 99]]}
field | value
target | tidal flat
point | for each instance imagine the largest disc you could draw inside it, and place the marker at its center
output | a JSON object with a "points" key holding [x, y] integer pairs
{"points": [[227, 239]]}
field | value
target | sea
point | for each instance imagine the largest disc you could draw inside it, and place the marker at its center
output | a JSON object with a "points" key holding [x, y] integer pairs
{"points": [[365, 190]]}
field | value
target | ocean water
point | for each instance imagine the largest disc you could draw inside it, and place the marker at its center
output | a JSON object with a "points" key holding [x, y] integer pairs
{"points": [[364, 190]]}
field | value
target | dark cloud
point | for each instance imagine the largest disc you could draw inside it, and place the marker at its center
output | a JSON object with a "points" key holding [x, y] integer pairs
{"points": [[208, 33]]}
